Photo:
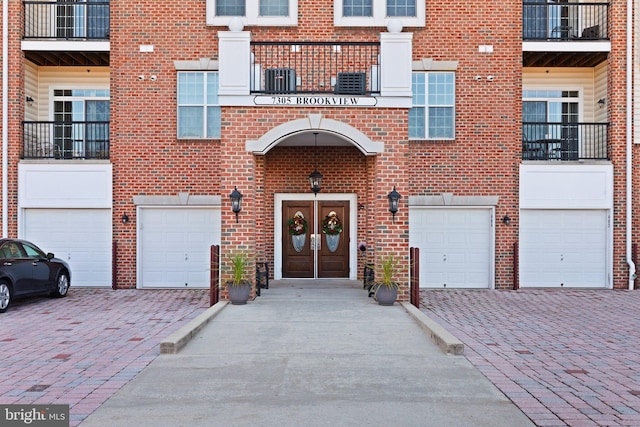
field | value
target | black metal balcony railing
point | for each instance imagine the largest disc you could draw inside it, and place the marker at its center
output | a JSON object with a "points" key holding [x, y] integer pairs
{"points": [[66, 140], [564, 21], [564, 141], [66, 20], [341, 68]]}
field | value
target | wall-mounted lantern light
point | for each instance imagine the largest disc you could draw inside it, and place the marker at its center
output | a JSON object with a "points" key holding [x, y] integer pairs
{"points": [[315, 177], [394, 196], [236, 202], [29, 101], [506, 220], [125, 218], [315, 181]]}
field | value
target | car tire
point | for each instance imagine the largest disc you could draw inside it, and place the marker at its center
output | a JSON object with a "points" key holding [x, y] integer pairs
{"points": [[62, 286], [5, 296]]}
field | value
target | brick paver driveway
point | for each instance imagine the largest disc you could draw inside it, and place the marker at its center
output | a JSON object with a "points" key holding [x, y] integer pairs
{"points": [[565, 357], [81, 349]]}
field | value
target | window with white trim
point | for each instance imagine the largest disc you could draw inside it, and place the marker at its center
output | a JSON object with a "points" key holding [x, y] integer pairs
{"points": [[256, 13], [199, 114], [433, 113], [361, 13]]}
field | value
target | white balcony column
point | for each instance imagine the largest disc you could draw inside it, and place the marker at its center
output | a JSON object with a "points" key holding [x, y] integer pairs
{"points": [[234, 60], [395, 63]]}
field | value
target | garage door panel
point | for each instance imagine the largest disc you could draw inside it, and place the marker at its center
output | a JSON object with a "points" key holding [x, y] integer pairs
{"points": [[454, 258], [176, 246], [175, 277], [457, 240], [455, 280], [431, 256], [435, 239], [455, 246], [82, 237], [476, 280], [476, 258], [563, 248], [197, 237]]}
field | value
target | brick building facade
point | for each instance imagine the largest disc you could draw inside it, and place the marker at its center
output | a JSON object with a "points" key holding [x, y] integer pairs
{"points": [[503, 127]]}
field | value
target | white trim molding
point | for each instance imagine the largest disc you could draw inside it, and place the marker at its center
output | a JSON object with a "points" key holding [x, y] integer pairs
{"points": [[448, 199], [202, 64], [353, 227], [180, 199], [315, 122]]}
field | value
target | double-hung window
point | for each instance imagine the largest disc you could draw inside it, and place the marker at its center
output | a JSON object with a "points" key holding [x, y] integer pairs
{"points": [[259, 13], [433, 113], [198, 106], [377, 13]]}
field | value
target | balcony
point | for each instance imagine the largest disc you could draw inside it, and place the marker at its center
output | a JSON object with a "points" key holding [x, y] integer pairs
{"points": [[340, 68], [66, 20], [66, 33], [564, 141], [564, 34], [314, 74], [66, 140]]}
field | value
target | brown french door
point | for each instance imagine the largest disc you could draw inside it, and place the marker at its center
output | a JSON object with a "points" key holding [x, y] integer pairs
{"points": [[316, 253]]}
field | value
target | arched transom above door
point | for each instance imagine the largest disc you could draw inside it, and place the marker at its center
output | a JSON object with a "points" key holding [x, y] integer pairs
{"points": [[333, 132]]}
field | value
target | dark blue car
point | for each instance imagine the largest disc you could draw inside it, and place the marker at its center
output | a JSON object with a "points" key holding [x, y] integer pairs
{"points": [[25, 271]]}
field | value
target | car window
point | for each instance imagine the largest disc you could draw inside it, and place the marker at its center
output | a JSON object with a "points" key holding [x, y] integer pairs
{"points": [[5, 252], [10, 250], [32, 251]]}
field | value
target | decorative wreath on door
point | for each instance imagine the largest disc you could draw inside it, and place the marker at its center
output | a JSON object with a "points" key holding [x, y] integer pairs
{"points": [[331, 224], [297, 225]]}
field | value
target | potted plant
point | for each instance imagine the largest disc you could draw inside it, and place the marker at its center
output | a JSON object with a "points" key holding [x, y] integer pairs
{"points": [[386, 290], [239, 287]]}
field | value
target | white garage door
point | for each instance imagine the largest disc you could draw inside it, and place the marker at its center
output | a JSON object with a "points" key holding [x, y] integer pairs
{"points": [[175, 246], [82, 237], [563, 248], [455, 246]]}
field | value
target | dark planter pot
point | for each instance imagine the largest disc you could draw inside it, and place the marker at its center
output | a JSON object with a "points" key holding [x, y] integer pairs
{"points": [[239, 294], [386, 295]]}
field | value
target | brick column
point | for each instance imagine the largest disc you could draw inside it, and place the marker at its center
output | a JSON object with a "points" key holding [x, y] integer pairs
{"points": [[237, 170], [392, 236]]}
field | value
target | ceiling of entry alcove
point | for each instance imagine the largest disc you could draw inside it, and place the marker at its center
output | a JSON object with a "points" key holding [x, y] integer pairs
{"points": [[306, 139]]}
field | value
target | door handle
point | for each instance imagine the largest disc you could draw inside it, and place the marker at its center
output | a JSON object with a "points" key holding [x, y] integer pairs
{"points": [[315, 242], [8, 263]]}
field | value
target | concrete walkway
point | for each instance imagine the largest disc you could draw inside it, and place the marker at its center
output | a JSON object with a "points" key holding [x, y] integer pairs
{"points": [[309, 353]]}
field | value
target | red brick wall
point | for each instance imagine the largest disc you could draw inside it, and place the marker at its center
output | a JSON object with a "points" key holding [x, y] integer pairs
{"points": [[286, 169], [616, 108], [148, 159], [487, 140], [482, 160], [16, 98], [484, 157]]}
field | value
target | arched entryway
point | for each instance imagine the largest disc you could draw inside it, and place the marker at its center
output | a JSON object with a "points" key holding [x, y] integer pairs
{"points": [[287, 155]]}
